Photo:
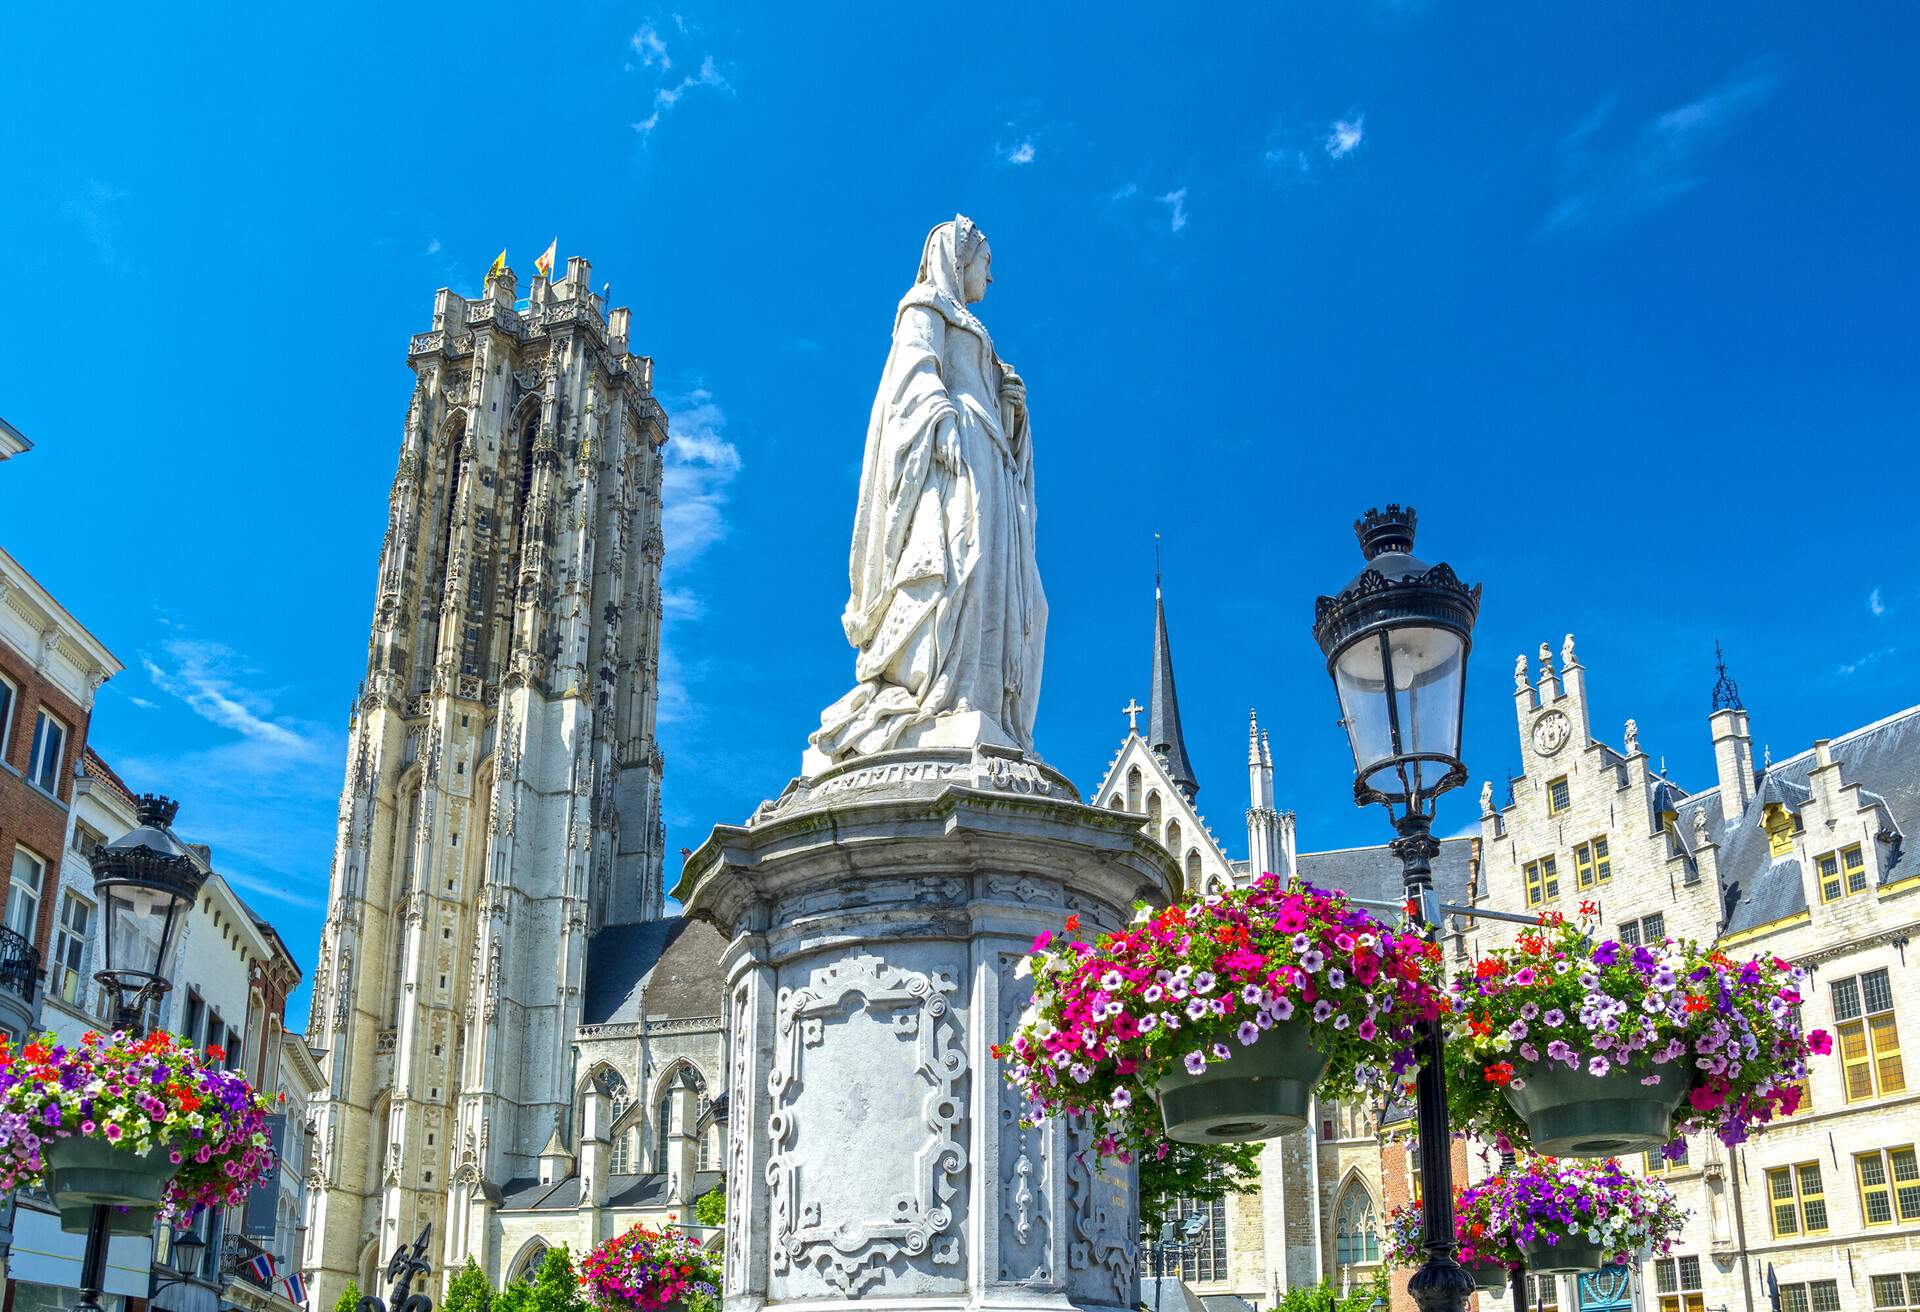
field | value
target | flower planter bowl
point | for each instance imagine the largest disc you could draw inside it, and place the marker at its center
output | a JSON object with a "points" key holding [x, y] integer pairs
{"points": [[1489, 1276], [84, 1172], [1261, 1092], [1570, 1113], [132, 1221], [1573, 1254]]}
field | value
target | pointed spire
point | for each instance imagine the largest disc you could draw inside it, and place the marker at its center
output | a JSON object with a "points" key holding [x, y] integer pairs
{"points": [[1163, 714], [1266, 751], [1253, 738]]}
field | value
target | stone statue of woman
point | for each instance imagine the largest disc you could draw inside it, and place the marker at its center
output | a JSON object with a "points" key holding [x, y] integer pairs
{"points": [[946, 614]]}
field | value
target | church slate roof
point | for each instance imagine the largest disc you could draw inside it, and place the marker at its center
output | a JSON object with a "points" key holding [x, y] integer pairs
{"points": [[1374, 872], [671, 966], [527, 1194], [1883, 759], [1163, 707]]}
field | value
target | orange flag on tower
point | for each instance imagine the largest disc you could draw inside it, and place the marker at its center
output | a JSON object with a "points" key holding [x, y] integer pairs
{"points": [[544, 265], [499, 266]]}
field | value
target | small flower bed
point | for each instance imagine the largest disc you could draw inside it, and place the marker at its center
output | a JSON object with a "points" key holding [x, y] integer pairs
{"points": [[1545, 1200], [647, 1270], [140, 1095], [1728, 1031], [1186, 987]]}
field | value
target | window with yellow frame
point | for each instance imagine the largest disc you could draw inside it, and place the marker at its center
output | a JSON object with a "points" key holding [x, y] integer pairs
{"points": [[1778, 822], [1592, 863], [1889, 1185], [1799, 1200], [1678, 1281], [1543, 880], [1559, 796], [1869, 1036], [1658, 1163], [1842, 873]]}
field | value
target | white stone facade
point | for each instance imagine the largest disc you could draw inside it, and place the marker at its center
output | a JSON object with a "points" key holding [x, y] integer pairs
{"points": [[501, 799], [1743, 862]]}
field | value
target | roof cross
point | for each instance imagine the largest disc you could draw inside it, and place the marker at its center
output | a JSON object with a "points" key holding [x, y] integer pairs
{"points": [[1132, 711]]}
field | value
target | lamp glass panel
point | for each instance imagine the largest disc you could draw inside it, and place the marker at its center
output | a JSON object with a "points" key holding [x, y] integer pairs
{"points": [[139, 923], [1359, 674]]}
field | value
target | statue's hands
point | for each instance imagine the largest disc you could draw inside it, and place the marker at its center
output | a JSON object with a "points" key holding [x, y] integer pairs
{"points": [[946, 445], [1013, 390]]}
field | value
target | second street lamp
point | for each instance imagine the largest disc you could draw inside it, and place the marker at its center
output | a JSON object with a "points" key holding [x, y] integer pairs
{"points": [[1396, 640], [146, 881]]}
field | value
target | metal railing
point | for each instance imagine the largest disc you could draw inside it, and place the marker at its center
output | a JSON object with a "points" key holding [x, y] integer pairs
{"points": [[19, 964]]}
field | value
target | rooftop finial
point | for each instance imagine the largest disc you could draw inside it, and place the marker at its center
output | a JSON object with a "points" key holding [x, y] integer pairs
{"points": [[156, 811], [1156, 564], [1381, 531], [1726, 693]]}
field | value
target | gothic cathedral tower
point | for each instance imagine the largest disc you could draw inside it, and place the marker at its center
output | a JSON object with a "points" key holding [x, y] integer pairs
{"points": [[502, 785]]}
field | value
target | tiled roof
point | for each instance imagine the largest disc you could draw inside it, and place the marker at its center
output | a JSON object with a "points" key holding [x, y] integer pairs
{"points": [[1883, 759], [1374, 872], [650, 1190], [672, 966]]}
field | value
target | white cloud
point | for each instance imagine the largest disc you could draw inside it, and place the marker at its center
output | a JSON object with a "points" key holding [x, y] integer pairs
{"points": [[1126, 191], [700, 466], [1343, 138], [1304, 149], [667, 97], [94, 214], [652, 50], [1615, 174], [433, 245], [1849, 667], [1874, 604], [142, 703], [1021, 152], [262, 789], [1176, 203]]}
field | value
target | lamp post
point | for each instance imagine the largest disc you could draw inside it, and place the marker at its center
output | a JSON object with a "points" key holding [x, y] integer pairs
{"points": [[1396, 640], [183, 1261], [145, 880]]}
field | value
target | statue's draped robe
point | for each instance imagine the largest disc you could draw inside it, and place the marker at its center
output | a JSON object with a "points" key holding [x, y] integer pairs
{"points": [[946, 609]]}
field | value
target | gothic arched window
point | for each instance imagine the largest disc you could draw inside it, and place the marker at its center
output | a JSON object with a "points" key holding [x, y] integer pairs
{"points": [[1193, 867], [662, 1126], [1153, 809], [620, 1161], [1133, 789], [1355, 1236]]}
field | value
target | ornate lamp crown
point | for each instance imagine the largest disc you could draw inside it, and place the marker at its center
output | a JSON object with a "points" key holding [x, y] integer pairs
{"points": [[156, 811], [1386, 530]]}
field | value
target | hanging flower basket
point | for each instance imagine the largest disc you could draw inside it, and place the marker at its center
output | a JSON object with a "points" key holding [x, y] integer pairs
{"points": [[1488, 1256], [146, 1124], [1593, 1050], [1230, 1011], [1548, 1216], [1571, 1216], [645, 1270], [121, 1221]]}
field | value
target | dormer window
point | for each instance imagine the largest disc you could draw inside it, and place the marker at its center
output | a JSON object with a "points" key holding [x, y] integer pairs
{"points": [[1778, 822]]}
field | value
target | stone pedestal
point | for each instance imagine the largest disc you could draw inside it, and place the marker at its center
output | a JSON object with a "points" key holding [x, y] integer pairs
{"points": [[876, 912]]}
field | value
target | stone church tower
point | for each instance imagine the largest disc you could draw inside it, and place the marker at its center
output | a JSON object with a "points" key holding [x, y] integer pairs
{"points": [[501, 801]]}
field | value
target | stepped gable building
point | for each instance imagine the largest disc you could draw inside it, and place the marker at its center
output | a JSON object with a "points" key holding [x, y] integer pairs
{"points": [[1317, 1211], [1809, 858], [499, 823]]}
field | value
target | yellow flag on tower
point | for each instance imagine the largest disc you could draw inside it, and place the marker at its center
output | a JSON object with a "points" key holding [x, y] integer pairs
{"points": [[544, 265], [499, 267]]}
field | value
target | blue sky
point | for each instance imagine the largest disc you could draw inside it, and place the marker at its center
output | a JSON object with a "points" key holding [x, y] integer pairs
{"points": [[1620, 297]]}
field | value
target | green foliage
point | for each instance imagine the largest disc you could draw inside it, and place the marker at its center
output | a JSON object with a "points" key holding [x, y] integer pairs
{"points": [[1194, 1171], [1325, 1297], [555, 1287], [349, 1300], [710, 1208], [514, 1297], [469, 1291]]}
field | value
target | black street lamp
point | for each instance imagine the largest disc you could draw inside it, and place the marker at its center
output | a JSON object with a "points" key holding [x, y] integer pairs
{"points": [[1396, 640], [146, 880]]}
